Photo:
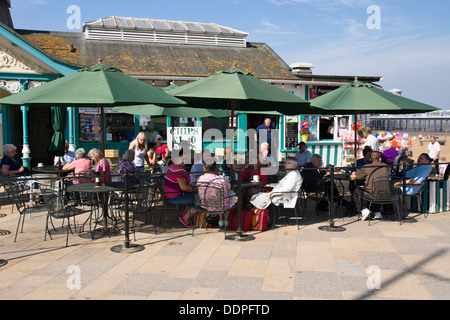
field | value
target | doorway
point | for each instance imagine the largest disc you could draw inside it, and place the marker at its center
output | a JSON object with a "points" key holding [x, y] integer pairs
{"points": [[40, 132]]}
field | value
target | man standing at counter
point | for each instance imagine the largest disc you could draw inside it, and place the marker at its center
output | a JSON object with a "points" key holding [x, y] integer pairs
{"points": [[264, 133]]}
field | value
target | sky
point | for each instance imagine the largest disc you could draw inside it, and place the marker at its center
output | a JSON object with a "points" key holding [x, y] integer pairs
{"points": [[407, 42]]}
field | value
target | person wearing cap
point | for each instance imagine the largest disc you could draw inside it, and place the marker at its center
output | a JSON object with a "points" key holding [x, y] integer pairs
{"points": [[303, 156], [161, 150]]}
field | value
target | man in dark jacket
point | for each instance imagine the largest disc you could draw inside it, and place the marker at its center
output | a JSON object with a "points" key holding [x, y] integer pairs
{"points": [[370, 173], [314, 180]]}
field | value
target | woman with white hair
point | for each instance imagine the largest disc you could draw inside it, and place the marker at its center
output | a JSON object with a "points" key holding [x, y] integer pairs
{"points": [[389, 154], [11, 165], [80, 164]]}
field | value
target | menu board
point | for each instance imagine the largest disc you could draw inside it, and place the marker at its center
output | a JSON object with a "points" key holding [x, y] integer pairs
{"points": [[291, 132]]}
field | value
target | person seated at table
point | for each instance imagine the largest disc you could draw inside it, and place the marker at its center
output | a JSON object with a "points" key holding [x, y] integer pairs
{"points": [[80, 164], [285, 191], [207, 195], [417, 176], [377, 170], [161, 151], [177, 188], [200, 158], [11, 165], [102, 164], [366, 159], [389, 154], [151, 153], [303, 156], [314, 180], [68, 156], [127, 165], [226, 164], [269, 167]]}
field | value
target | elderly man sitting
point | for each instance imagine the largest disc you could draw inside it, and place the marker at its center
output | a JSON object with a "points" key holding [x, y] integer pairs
{"points": [[370, 173], [285, 191], [417, 176], [314, 181]]}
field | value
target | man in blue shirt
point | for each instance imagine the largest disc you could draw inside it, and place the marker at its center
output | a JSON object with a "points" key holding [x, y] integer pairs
{"points": [[264, 133], [417, 176], [68, 157]]}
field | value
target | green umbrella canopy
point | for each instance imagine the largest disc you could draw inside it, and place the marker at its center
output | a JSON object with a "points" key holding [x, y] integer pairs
{"points": [[360, 98], [181, 112], [251, 94], [96, 85]]}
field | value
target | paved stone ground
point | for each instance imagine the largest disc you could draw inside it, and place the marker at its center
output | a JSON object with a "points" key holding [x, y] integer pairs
{"points": [[409, 261]]}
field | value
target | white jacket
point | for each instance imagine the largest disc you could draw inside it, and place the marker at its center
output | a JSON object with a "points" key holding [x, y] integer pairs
{"points": [[285, 192]]}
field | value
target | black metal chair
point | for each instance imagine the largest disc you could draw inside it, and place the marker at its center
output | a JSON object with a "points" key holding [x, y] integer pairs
{"points": [[23, 201], [419, 198], [210, 199], [165, 204], [384, 196], [288, 196], [59, 207]]}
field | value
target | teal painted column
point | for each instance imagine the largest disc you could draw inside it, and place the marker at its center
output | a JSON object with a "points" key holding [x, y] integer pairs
{"points": [[26, 159], [71, 138], [241, 143]]}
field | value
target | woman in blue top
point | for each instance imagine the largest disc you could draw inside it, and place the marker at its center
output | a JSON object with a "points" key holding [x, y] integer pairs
{"points": [[10, 164]]}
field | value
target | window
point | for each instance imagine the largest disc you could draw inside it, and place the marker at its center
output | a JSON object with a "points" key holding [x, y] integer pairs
{"points": [[119, 127], [153, 126]]}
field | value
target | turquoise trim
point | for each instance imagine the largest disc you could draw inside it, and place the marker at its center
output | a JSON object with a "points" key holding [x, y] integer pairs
{"points": [[28, 76], [69, 130], [60, 67]]}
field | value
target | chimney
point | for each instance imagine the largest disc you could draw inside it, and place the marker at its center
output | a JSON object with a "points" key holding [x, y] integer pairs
{"points": [[5, 14], [301, 68]]}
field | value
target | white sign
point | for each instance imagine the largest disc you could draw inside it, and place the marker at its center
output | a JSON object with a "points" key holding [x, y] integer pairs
{"points": [[192, 135]]}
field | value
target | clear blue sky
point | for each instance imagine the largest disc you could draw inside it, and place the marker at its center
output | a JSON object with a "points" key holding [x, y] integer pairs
{"points": [[410, 49]]}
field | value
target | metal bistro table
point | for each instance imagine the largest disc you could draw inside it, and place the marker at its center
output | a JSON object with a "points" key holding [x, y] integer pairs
{"points": [[51, 170], [104, 188]]}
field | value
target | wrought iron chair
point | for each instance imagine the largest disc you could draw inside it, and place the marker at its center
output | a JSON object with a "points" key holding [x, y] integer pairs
{"points": [[23, 201], [211, 199], [293, 196], [165, 204], [419, 198], [384, 196], [59, 207]]}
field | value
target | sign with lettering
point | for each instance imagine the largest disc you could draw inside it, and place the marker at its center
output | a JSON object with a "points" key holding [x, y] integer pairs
{"points": [[190, 135]]}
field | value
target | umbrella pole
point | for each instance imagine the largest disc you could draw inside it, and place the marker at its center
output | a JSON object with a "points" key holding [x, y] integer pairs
{"points": [[241, 236]]}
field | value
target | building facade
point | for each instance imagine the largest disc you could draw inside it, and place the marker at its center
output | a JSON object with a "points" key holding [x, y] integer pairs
{"points": [[158, 52]]}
